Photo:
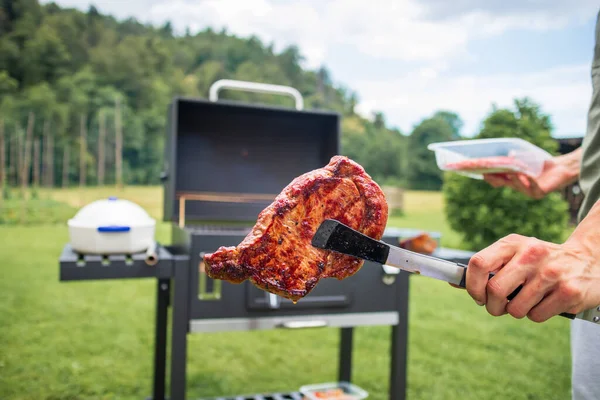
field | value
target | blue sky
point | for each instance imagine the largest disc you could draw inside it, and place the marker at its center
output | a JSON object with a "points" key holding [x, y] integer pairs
{"points": [[409, 58]]}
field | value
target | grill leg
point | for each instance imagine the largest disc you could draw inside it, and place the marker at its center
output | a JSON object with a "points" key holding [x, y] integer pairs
{"points": [[345, 366], [163, 292], [399, 338], [179, 331]]}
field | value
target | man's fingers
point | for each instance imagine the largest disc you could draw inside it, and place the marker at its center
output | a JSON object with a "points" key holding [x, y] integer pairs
{"points": [[494, 180], [487, 260], [534, 188], [550, 306], [506, 281], [517, 184], [516, 181], [528, 298]]}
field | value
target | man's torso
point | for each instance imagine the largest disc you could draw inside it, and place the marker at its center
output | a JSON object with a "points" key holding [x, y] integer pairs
{"points": [[585, 336]]}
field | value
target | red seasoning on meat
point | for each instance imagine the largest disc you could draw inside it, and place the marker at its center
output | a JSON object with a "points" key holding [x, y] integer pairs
{"points": [[488, 164], [277, 255]]}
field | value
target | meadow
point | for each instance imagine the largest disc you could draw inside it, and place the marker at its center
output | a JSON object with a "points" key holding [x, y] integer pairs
{"points": [[93, 340]]}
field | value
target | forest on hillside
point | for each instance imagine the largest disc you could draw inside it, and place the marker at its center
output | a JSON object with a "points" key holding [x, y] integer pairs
{"points": [[83, 98]]}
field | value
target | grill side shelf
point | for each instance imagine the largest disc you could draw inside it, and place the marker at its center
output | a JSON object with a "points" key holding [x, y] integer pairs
{"points": [[76, 267]]}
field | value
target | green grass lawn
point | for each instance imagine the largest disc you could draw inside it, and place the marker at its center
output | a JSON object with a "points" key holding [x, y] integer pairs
{"points": [[93, 340]]}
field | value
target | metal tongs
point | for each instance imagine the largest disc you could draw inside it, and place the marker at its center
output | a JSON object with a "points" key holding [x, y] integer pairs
{"points": [[335, 236]]}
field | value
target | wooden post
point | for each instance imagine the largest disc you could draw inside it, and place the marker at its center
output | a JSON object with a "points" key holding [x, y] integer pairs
{"points": [[19, 160], [36, 162], [44, 157], [101, 141], [15, 156], [27, 157], [48, 169], [65, 167], [118, 144], [82, 151], [50, 158]]}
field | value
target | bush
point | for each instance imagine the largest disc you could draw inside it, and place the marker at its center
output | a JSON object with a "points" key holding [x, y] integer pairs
{"points": [[483, 214]]}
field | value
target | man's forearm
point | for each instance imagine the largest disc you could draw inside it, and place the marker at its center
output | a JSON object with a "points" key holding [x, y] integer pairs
{"points": [[571, 163], [587, 233]]}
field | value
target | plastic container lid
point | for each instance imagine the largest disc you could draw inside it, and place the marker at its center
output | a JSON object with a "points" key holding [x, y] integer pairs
{"points": [[333, 391], [111, 212]]}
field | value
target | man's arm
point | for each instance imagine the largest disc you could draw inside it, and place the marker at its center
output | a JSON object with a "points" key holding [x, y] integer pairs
{"points": [[587, 233], [570, 166], [555, 278]]}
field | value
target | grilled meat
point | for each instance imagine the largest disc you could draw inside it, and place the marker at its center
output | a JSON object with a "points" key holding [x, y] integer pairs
{"points": [[277, 255], [422, 243]]}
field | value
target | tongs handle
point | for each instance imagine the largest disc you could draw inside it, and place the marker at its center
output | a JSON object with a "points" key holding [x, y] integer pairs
{"points": [[463, 284]]}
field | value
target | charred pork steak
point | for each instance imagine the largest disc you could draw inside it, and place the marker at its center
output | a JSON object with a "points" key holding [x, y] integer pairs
{"points": [[277, 255]]}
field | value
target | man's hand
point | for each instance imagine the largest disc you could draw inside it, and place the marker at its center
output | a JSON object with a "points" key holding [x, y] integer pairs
{"points": [[557, 173], [555, 278]]}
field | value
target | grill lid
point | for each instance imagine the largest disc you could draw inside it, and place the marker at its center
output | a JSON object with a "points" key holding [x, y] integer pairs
{"points": [[226, 161]]}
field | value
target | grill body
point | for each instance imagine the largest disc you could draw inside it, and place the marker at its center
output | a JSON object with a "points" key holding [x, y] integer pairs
{"points": [[224, 163]]}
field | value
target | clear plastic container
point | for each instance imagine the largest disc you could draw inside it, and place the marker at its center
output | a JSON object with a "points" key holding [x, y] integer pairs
{"points": [[474, 157], [333, 391]]}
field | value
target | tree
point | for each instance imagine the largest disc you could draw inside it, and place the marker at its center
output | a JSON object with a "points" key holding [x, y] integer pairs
{"points": [[48, 156], [8, 85], [167, 29], [45, 57], [26, 164], [7, 106], [36, 162], [82, 151], [453, 120], [378, 120], [423, 172], [101, 143], [42, 100], [379, 150], [483, 214], [62, 64], [118, 144]]}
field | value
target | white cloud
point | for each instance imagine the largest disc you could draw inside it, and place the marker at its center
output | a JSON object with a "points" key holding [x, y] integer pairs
{"points": [[393, 30], [425, 35], [407, 30], [390, 30], [563, 92], [283, 23]]}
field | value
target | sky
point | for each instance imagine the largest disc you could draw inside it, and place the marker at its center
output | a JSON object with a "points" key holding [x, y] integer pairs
{"points": [[409, 58]]}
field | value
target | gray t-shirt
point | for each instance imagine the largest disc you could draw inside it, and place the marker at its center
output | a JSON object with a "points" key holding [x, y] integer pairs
{"points": [[585, 336]]}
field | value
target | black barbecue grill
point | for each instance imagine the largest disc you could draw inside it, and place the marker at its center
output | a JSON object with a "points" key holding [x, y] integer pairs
{"points": [[225, 162]]}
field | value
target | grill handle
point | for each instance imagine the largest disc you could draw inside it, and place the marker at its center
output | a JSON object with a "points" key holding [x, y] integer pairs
{"points": [[303, 324], [255, 87]]}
